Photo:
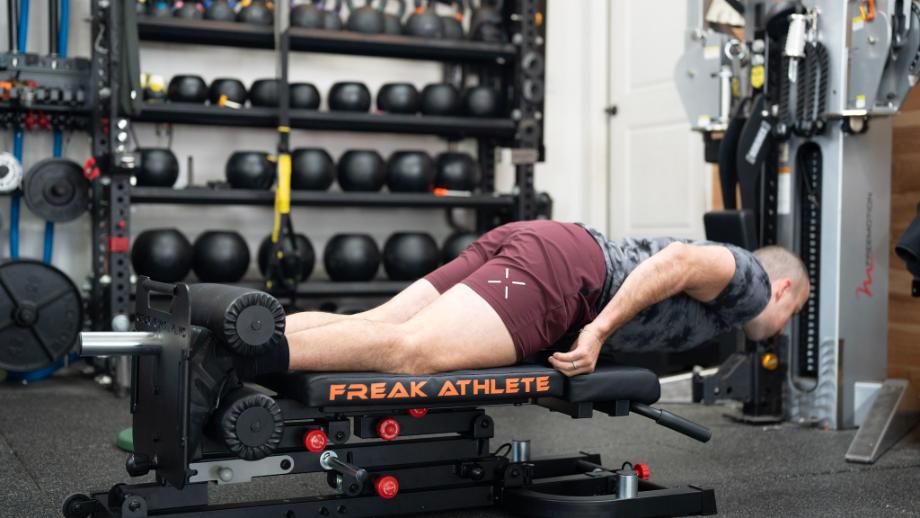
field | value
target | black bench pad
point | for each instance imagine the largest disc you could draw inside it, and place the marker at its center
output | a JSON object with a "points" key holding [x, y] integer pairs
{"points": [[607, 383]]}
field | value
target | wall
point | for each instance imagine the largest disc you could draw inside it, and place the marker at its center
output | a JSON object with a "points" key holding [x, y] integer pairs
{"points": [[904, 310], [563, 174]]}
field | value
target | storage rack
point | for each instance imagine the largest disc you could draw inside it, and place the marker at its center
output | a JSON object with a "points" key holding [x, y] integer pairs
{"points": [[519, 64]]}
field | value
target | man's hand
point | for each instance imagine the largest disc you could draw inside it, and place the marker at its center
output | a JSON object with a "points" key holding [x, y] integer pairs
{"points": [[582, 357]]}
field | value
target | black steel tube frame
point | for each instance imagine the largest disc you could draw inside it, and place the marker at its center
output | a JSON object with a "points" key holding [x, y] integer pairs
{"points": [[453, 127], [574, 486], [208, 32], [225, 196]]}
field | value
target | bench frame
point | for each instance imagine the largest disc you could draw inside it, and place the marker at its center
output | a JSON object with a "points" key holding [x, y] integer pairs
{"points": [[454, 470]]}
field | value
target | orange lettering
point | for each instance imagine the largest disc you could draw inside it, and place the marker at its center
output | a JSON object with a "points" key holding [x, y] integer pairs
{"points": [[336, 390], [357, 392], [494, 389], [398, 392], [543, 384], [526, 382], [447, 389], [463, 384], [378, 390], [511, 385], [481, 387], [416, 389]]}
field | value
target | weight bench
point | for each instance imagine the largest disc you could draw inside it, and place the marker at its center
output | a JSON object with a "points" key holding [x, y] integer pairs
{"points": [[426, 438]]}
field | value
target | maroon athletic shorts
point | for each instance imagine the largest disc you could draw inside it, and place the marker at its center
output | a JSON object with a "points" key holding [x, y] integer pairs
{"points": [[541, 277]]}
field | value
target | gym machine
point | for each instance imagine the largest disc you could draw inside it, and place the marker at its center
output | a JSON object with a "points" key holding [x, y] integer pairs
{"points": [[796, 108], [515, 60], [425, 441]]}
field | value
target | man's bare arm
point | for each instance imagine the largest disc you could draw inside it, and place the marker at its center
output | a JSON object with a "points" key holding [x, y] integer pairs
{"points": [[701, 272]]}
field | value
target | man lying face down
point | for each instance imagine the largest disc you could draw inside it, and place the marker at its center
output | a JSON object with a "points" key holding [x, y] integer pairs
{"points": [[520, 288]]}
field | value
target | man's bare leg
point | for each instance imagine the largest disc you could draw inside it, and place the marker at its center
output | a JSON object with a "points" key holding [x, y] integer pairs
{"points": [[458, 330], [397, 310]]}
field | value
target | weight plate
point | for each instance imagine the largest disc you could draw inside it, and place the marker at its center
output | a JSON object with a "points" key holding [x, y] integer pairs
{"points": [[10, 172], [56, 190], [41, 314]]}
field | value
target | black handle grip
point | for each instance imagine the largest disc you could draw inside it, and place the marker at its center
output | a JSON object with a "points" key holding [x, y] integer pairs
{"points": [[158, 287], [674, 422], [349, 470]]}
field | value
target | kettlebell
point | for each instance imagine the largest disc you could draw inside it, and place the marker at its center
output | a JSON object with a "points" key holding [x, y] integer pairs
{"points": [[154, 87], [304, 96], [190, 9], [264, 92], [364, 19], [392, 23], [303, 254], [159, 168], [361, 170], [163, 254], [349, 96], [486, 23], [410, 171], [398, 98], [308, 15], [220, 256], [482, 101], [455, 244], [440, 99], [453, 24], [255, 12], [332, 20], [159, 8], [187, 89], [408, 256], [221, 10], [456, 171], [233, 89], [250, 170], [312, 169], [424, 22], [351, 258]]}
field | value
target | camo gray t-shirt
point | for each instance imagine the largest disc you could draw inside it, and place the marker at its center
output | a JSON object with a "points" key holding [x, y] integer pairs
{"points": [[680, 322]]}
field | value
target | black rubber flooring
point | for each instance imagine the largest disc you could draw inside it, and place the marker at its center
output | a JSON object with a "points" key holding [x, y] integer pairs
{"points": [[57, 437]]}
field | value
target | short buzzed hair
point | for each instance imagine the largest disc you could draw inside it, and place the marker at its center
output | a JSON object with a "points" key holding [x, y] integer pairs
{"points": [[780, 263]]}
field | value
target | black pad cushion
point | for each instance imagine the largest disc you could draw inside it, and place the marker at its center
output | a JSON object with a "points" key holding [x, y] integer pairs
{"points": [[735, 227], [608, 383], [613, 382]]}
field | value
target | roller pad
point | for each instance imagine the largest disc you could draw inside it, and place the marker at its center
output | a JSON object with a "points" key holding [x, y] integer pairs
{"points": [[247, 321], [249, 423]]}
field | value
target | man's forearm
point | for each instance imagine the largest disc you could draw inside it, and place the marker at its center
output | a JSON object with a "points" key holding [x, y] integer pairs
{"points": [[655, 279]]}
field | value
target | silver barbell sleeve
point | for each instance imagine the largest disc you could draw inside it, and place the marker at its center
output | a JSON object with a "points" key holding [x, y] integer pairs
{"points": [[105, 343]]}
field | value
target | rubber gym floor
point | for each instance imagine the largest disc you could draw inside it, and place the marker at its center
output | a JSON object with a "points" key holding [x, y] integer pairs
{"points": [[57, 437]]}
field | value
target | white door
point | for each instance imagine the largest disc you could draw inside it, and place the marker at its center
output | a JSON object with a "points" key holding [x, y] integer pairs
{"points": [[658, 179]]}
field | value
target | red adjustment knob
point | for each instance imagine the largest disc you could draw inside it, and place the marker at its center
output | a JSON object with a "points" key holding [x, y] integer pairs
{"points": [[315, 441], [642, 470], [388, 429], [387, 487], [418, 413]]}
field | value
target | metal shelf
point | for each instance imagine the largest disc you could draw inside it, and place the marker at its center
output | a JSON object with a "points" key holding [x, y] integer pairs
{"points": [[455, 127], [210, 32], [340, 289], [224, 196]]}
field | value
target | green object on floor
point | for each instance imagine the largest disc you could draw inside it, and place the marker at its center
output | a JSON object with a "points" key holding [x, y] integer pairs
{"points": [[2, 375], [126, 440]]}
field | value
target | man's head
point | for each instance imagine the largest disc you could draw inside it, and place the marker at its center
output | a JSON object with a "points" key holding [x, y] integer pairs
{"points": [[791, 288]]}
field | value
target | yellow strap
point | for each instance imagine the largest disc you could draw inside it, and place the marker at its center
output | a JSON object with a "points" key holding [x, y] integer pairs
{"points": [[284, 129]]}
